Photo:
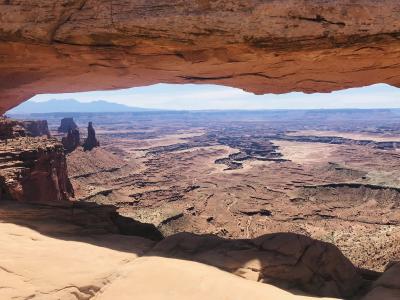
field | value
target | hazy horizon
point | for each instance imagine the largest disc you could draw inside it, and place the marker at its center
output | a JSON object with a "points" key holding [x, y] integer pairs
{"points": [[214, 97]]}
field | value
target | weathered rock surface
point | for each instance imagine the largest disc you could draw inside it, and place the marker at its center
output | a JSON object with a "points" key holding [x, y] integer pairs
{"points": [[36, 266], [190, 280], [91, 140], [36, 128], [84, 258], [387, 287], [287, 260], [110, 267], [67, 124], [260, 46], [10, 128], [33, 170], [72, 140]]}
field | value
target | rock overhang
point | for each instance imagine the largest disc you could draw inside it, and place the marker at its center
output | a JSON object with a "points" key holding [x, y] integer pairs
{"points": [[256, 45]]}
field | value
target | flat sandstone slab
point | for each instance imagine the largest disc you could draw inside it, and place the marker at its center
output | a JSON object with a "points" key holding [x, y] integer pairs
{"points": [[35, 266]]}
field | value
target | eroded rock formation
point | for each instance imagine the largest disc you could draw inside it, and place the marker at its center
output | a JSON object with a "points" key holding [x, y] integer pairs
{"points": [[133, 265], [10, 128], [387, 286], [91, 140], [33, 170], [72, 140], [108, 267], [260, 46], [67, 124], [287, 260], [36, 128]]}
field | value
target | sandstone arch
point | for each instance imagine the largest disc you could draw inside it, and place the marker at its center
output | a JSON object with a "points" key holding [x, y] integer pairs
{"points": [[261, 46]]}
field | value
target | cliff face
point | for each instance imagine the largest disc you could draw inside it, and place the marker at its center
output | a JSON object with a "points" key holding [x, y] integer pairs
{"points": [[33, 170], [10, 128], [36, 128], [260, 46]]}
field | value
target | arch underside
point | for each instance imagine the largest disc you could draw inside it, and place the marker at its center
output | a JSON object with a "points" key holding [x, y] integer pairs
{"points": [[259, 46]]}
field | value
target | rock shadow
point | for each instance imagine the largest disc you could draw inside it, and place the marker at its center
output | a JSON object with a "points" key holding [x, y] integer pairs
{"points": [[293, 262]]}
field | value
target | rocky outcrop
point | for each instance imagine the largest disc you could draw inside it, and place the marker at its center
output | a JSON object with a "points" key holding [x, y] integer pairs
{"points": [[10, 128], [108, 267], [387, 287], [71, 141], [133, 265], [33, 170], [338, 141], [260, 46], [36, 128], [66, 125], [91, 140], [287, 260], [89, 233]]}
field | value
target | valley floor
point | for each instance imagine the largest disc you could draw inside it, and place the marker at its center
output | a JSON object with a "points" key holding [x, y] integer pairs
{"points": [[243, 179]]}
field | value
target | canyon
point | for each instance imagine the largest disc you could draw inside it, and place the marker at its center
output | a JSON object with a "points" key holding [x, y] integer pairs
{"points": [[298, 205], [281, 203]]}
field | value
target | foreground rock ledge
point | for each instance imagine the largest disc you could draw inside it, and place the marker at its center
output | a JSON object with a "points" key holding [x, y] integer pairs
{"points": [[110, 266], [84, 270], [97, 264], [260, 46]]}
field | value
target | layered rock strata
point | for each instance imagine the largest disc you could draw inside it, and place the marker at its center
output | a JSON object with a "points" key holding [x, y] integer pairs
{"points": [[260, 46], [33, 170], [10, 128]]}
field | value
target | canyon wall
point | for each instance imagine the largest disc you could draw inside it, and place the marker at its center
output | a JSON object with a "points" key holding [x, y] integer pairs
{"points": [[259, 46], [33, 170], [33, 167]]}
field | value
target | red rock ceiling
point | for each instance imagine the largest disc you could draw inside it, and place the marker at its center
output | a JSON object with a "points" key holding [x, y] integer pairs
{"points": [[261, 46]]}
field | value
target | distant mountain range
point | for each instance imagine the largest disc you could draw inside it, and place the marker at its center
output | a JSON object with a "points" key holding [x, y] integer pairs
{"points": [[72, 105]]}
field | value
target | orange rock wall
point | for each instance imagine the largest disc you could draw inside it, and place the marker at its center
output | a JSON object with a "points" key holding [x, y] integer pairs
{"points": [[273, 46]]}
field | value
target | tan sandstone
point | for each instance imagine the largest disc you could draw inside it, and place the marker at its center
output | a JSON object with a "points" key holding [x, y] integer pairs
{"points": [[260, 46]]}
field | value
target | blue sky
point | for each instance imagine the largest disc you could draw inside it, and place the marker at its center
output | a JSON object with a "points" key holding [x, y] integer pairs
{"points": [[190, 96]]}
